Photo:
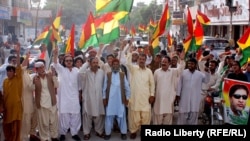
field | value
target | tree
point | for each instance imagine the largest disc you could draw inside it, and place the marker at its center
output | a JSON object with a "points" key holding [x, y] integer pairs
{"points": [[75, 11], [143, 13]]}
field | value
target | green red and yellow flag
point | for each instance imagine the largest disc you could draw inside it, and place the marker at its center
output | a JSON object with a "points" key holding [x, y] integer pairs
{"points": [[244, 45], [203, 19], [70, 46], [88, 35]]}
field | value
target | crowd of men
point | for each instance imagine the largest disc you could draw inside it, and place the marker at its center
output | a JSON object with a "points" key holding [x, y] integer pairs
{"points": [[130, 87]]}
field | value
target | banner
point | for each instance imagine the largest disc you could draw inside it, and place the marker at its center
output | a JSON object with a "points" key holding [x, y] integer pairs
{"points": [[237, 101]]}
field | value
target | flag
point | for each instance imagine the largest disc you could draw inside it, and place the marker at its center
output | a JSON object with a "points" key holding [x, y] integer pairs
{"points": [[123, 29], [187, 42], [100, 4], [99, 25], [111, 30], [42, 36], [132, 31], [70, 48], [198, 54], [245, 56], [244, 44], [155, 45], [244, 41], [88, 35], [160, 29], [190, 23], [169, 39], [105, 6], [203, 19], [51, 38], [55, 36], [121, 16], [42, 55], [152, 25], [121, 7], [142, 28], [57, 20], [198, 34], [195, 37]]}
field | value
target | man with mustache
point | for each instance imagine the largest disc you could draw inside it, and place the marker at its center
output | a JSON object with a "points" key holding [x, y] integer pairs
{"points": [[165, 90], [189, 93], [142, 93], [93, 110], [116, 93]]}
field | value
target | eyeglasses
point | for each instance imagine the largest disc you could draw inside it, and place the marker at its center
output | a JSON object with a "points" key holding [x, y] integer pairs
{"points": [[238, 96], [68, 60]]}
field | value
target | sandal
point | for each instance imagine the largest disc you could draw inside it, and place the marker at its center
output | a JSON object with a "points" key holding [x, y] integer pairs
{"points": [[100, 135], [86, 137]]}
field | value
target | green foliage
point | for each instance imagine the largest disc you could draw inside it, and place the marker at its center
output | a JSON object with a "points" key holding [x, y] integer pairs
{"points": [[73, 11], [142, 14]]}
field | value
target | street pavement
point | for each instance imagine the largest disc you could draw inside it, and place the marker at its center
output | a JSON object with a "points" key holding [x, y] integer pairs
{"points": [[114, 136]]}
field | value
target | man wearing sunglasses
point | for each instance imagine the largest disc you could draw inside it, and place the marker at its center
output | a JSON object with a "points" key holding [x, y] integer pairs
{"points": [[68, 96], [238, 95]]}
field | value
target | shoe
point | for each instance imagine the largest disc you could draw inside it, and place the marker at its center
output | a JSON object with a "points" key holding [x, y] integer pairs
{"points": [[34, 138], [62, 138], [54, 139], [100, 135], [133, 135], [123, 136], [76, 138], [107, 137], [86, 137]]}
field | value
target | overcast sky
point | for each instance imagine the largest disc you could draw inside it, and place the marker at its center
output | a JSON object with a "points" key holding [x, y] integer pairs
{"points": [[145, 1]]}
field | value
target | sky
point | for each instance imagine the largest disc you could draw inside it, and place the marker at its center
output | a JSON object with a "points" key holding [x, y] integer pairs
{"points": [[135, 2], [146, 1]]}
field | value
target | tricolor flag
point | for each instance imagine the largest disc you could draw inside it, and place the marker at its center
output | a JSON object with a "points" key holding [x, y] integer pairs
{"points": [[244, 44], [122, 7], [88, 35], [165, 20], [132, 31], [42, 36], [170, 40], [203, 19], [142, 28], [160, 29], [110, 27], [70, 46]]}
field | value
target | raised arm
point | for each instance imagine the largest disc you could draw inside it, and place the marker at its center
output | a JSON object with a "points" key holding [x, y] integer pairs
{"points": [[26, 60], [17, 47], [129, 60], [55, 54]]}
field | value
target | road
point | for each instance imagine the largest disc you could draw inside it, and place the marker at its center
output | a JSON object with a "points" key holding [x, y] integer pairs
{"points": [[114, 136]]}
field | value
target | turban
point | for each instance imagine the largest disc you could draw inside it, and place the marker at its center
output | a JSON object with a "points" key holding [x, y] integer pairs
{"points": [[39, 64]]}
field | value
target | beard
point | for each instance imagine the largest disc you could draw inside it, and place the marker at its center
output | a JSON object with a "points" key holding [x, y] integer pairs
{"points": [[115, 70]]}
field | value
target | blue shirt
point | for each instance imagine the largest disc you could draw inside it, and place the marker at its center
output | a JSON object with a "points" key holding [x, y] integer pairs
{"points": [[115, 106]]}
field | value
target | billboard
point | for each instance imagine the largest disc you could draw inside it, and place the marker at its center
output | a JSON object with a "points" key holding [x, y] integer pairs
{"points": [[219, 13]]}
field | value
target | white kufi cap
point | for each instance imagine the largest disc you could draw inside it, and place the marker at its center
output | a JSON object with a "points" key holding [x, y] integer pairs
{"points": [[39, 64]]}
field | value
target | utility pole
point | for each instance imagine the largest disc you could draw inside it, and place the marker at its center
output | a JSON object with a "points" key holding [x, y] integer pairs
{"points": [[232, 9], [36, 21], [249, 14]]}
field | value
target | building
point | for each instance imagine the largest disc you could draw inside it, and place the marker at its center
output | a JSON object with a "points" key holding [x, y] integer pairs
{"points": [[218, 13], [16, 16]]}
